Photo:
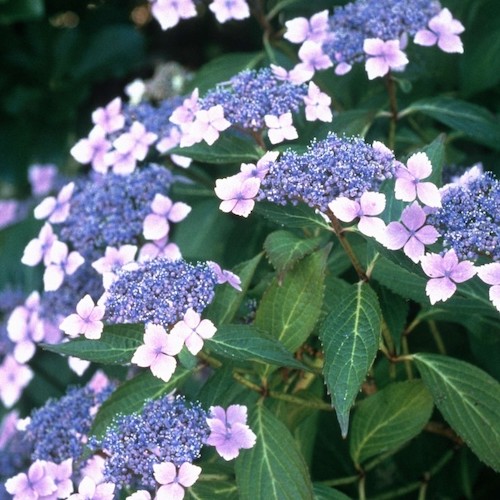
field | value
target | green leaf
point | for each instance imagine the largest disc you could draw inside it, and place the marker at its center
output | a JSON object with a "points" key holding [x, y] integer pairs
{"points": [[290, 308], [469, 400], [116, 345], [388, 419], [228, 148], [274, 468], [247, 343], [202, 490], [435, 152], [227, 300], [131, 396], [220, 389], [350, 336], [299, 216], [474, 121], [323, 492], [284, 249]]}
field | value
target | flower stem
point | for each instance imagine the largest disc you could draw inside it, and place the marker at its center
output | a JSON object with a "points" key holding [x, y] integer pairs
{"points": [[393, 105]]}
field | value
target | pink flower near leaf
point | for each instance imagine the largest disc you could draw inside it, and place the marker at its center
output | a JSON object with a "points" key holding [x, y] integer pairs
{"points": [[312, 59], [410, 234], [238, 197], [229, 431], [226, 10], [61, 263], [110, 118], [156, 224], [445, 271], [42, 178], [342, 68], [169, 12], [370, 204], [158, 352], [61, 474], [317, 104], [187, 111], [383, 56], [490, 274], [280, 128], [121, 163], [444, 31], [224, 276], [159, 248], [260, 170], [87, 320], [300, 29], [56, 209], [14, 377], [194, 330], [89, 490], [207, 124], [92, 150], [408, 181], [136, 141], [38, 249], [33, 485], [173, 480]]}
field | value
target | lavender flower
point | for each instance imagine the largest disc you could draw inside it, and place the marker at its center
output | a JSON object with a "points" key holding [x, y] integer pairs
{"points": [[15, 377], [168, 429], [173, 480], [226, 10], [159, 291]]}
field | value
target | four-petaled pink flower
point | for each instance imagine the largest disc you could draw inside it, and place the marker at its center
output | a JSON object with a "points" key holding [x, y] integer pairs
{"points": [[173, 480], [156, 224], [61, 263], [186, 112], [238, 197], [89, 490], [408, 186], [159, 248], [444, 31], [229, 431], [38, 249], [300, 29], [158, 351], [136, 141], [56, 209], [93, 150], [35, 484], [445, 271], [224, 276], [86, 320], [194, 330], [313, 59], [121, 163], [61, 474], [42, 178], [110, 118], [259, 171], [280, 128], [169, 12], [490, 274], [410, 234], [225, 10], [317, 104], [383, 57], [205, 127], [15, 377], [369, 205]]}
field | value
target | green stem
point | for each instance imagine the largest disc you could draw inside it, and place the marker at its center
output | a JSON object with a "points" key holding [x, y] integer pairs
{"points": [[393, 105], [406, 352], [386, 335], [341, 481], [278, 7], [318, 405], [243, 381], [361, 488], [437, 337]]}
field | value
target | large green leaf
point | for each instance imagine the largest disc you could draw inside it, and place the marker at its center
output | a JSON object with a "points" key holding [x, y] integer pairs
{"points": [[247, 343], [116, 345], [388, 419], [469, 400], [323, 492], [474, 121], [435, 152], [299, 216], [283, 248], [350, 335], [227, 299], [291, 306], [131, 396], [202, 490], [274, 468]]}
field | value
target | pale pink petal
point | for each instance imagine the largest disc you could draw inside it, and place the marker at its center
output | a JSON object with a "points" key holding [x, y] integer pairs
{"points": [[440, 289], [179, 211], [463, 271], [155, 227], [172, 491], [194, 343], [405, 189], [296, 30], [450, 43], [165, 472], [414, 249], [72, 325], [143, 356], [188, 474], [372, 226], [428, 235], [376, 67], [396, 236], [432, 265], [490, 273], [45, 208], [495, 296], [372, 203], [236, 414], [425, 38], [163, 367], [53, 278], [344, 209], [161, 204]]}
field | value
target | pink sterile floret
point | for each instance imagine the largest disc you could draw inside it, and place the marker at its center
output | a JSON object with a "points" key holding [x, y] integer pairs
{"points": [[186, 112], [156, 224], [15, 377], [194, 330], [410, 234], [55, 209], [238, 197], [169, 12], [110, 118], [408, 181], [445, 271], [224, 276], [280, 128], [317, 104], [229, 431], [226, 10], [158, 351], [61, 474], [173, 480], [300, 29], [35, 484], [88, 489], [136, 141], [259, 171], [444, 31], [86, 320], [93, 150], [383, 57], [60, 263], [38, 249], [313, 59], [159, 248], [205, 127], [490, 274], [42, 178], [369, 205], [121, 163]]}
